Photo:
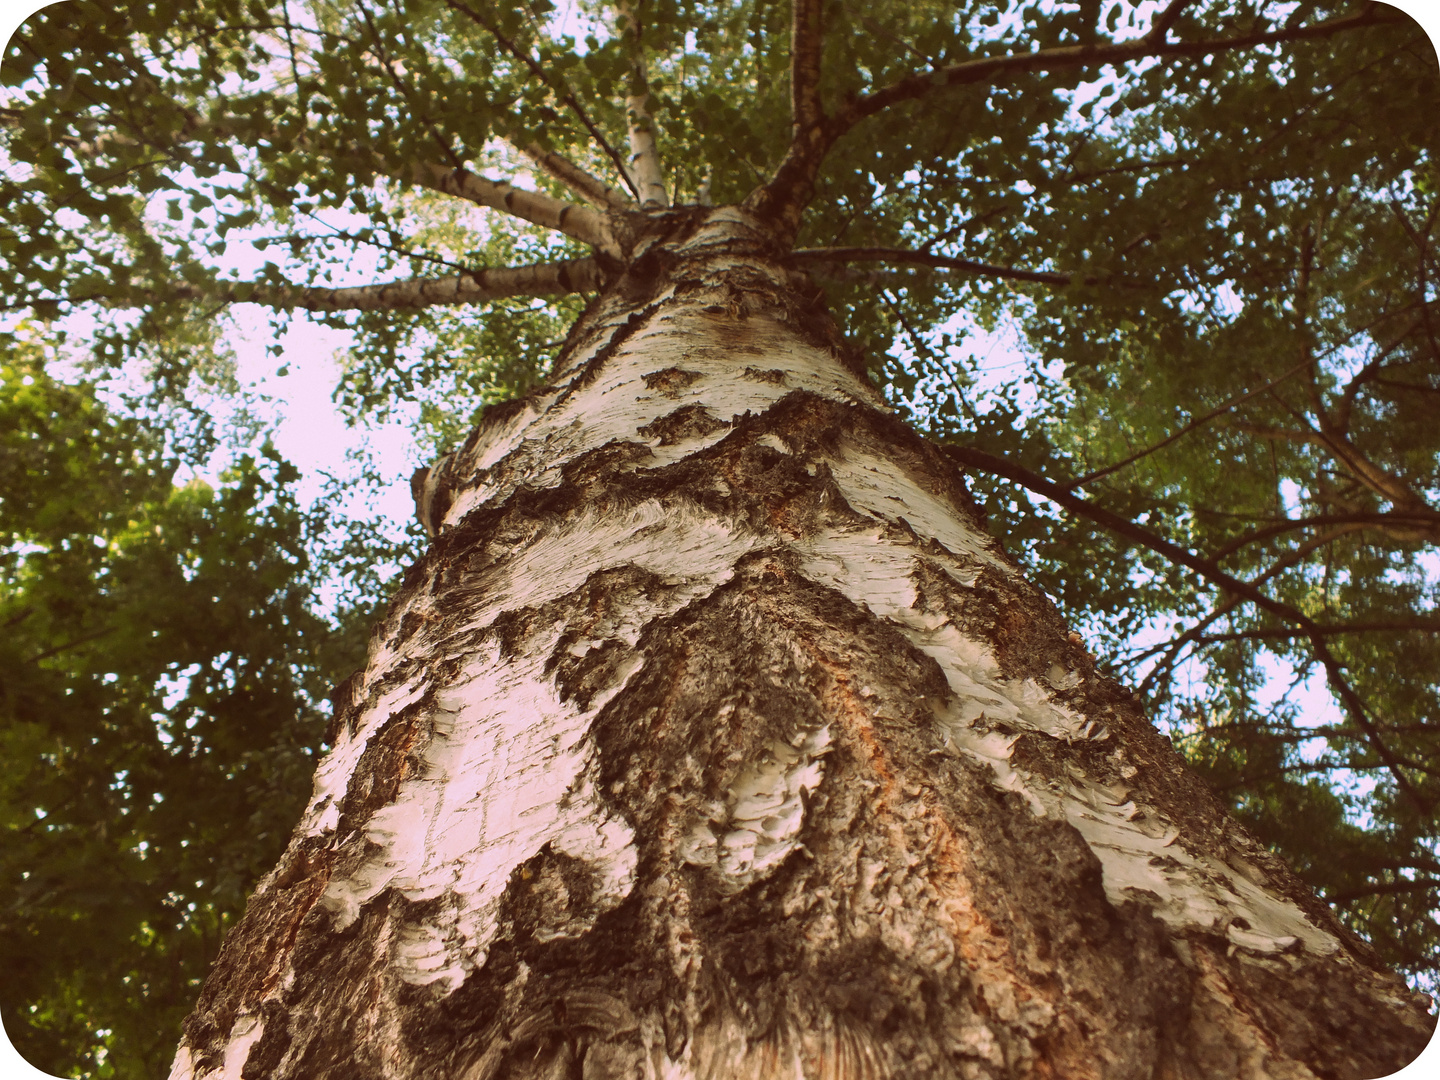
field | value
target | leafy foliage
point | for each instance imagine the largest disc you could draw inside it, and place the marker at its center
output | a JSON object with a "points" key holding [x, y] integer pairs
{"points": [[159, 713], [1211, 253]]}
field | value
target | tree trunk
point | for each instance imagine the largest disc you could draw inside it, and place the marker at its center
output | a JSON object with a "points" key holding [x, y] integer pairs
{"points": [[713, 737]]}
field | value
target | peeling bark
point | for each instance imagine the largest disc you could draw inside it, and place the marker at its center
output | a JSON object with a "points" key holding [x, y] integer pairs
{"points": [[713, 737]]}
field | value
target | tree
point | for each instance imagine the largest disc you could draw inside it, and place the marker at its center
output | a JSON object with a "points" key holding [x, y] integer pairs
{"points": [[163, 682], [713, 733]]}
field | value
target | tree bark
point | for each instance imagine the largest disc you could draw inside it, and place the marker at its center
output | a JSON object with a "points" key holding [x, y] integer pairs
{"points": [[713, 737]]}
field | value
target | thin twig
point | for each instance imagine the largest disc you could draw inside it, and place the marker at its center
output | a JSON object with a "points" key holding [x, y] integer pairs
{"points": [[1081, 481]]}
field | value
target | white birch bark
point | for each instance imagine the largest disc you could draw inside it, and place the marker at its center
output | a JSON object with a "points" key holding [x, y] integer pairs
{"points": [[409, 294], [592, 189], [715, 738], [644, 154], [645, 170], [580, 222]]}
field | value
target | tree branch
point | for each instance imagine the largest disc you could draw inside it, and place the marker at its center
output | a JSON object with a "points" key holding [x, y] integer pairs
{"points": [[1123, 527], [72, 644], [1107, 470], [1071, 485], [1160, 27], [1270, 632], [1189, 637], [1356, 708], [783, 199], [1208, 570], [806, 38], [562, 90], [380, 53], [1379, 480], [413, 294], [590, 188], [580, 222], [1063, 56], [645, 170], [1382, 889], [922, 258], [1398, 524]]}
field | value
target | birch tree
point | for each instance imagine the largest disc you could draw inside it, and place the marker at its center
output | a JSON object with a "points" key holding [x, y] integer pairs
{"points": [[715, 734]]}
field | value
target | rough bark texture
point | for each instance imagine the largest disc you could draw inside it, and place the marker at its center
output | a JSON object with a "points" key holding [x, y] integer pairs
{"points": [[714, 738]]}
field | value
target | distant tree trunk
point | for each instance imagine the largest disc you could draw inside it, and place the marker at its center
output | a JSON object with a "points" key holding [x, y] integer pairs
{"points": [[715, 738]]}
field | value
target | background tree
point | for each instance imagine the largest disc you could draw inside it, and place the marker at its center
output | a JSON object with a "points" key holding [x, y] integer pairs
{"points": [[164, 676], [1215, 219]]}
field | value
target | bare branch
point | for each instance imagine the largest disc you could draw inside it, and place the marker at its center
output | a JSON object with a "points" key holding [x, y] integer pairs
{"points": [[1267, 633], [1173, 648], [590, 188], [1398, 524], [986, 68], [1381, 481], [578, 221], [1388, 888], [74, 643], [645, 170], [1123, 527], [1356, 708], [783, 199], [838, 255], [474, 287]]}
